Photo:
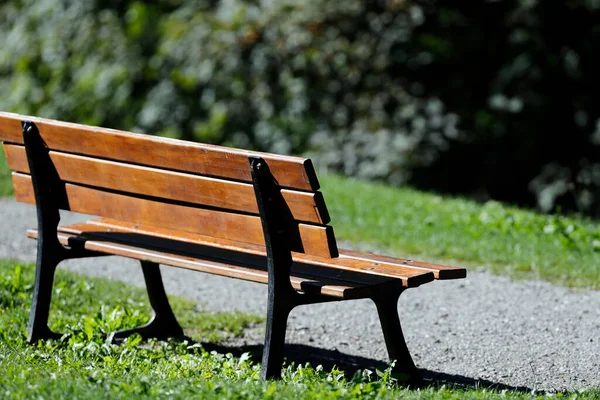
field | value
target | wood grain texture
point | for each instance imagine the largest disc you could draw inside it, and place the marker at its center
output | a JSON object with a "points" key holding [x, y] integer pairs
{"points": [[441, 272], [313, 283], [347, 268], [216, 161], [10, 128], [16, 158], [23, 189], [87, 231], [160, 183], [317, 240]]}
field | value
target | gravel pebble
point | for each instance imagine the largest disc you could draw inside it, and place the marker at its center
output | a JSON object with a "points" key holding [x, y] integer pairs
{"points": [[486, 328]]}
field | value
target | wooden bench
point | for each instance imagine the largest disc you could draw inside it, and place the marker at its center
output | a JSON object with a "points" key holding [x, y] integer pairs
{"points": [[246, 215]]}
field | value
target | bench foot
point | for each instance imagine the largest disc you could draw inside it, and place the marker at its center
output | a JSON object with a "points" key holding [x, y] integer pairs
{"points": [[404, 368], [272, 359], [43, 334], [37, 328], [163, 324], [154, 329]]}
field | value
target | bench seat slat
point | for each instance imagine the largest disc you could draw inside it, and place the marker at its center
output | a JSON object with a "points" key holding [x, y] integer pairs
{"points": [[347, 268], [441, 272], [303, 278], [219, 193], [311, 239], [290, 172], [198, 250]]}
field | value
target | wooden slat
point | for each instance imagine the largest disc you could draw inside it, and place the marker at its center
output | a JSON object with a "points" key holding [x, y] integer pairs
{"points": [[410, 277], [178, 155], [23, 189], [16, 158], [441, 272], [87, 231], [317, 240], [321, 285], [239, 196], [10, 128]]}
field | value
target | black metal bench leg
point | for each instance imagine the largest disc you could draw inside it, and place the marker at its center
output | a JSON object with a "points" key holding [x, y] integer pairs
{"points": [[37, 328], [272, 359], [49, 195], [163, 323], [404, 368]]}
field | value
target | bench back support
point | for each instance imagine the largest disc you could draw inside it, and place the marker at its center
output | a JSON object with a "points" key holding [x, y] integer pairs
{"points": [[274, 215], [282, 297], [100, 172], [44, 179]]}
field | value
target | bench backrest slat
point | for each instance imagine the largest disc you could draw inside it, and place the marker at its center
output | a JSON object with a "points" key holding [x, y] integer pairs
{"points": [[317, 240], [172, 185], [290, 172], [167, 183]]}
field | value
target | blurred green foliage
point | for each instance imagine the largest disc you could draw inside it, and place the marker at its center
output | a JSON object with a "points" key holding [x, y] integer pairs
{"points": [[494, 100], [521, 77]]}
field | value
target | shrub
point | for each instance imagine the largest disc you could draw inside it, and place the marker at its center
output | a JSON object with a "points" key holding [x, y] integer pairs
{"points": [[490, 100]]}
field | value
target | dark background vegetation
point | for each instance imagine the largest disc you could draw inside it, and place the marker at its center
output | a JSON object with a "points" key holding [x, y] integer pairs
{"points": [[490, 99]]}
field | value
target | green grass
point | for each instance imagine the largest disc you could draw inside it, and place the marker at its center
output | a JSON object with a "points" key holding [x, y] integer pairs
{"points": [[507, 240], [6, 188], [85, 366], [85, 308]]}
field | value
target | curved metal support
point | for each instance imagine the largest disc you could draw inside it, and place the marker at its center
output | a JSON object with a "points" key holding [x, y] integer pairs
{"points": [[49, 195], [404, 368], [163, 324], [277, 222], [274, 216]]}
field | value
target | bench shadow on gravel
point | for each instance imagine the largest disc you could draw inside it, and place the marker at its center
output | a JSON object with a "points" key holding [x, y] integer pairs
{"points": [[301, 354]]}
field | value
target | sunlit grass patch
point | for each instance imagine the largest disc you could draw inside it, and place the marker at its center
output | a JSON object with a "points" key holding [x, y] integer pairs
{"points": [[561, 249], [89, 308]]}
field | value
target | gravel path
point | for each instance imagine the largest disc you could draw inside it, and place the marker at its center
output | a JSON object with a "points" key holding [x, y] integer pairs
{"points": [[481, 330]]}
